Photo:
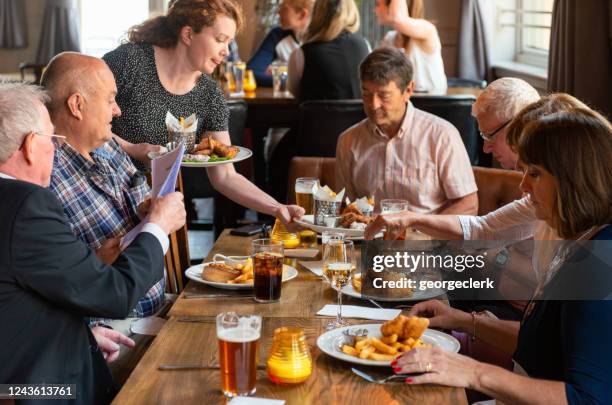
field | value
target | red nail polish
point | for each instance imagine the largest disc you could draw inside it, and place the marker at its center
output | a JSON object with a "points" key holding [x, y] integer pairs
{"points": [[397, 369], [393, 363], [409, 380]]}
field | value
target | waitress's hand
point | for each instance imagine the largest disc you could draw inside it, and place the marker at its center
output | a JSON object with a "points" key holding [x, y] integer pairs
{"points": [[287, 213], [139, 151]]}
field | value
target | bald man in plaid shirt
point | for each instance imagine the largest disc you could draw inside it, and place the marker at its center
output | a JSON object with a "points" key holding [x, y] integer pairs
{"points": [[103, 195]]}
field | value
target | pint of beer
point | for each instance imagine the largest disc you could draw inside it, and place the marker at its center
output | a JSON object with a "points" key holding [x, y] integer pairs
{"points": [[305, 187], [238, 337]]}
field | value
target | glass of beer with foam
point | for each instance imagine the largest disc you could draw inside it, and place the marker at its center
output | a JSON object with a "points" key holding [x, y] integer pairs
{"points": [[305, 187], [238, 337]]}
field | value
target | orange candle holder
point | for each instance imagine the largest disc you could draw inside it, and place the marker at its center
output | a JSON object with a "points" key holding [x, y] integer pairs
{"points": [[289, 361]]}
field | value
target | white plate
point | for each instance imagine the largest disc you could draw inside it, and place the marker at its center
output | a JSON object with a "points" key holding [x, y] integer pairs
{"points": [[243, 153], [307, 221], [331, 342], [148, 326], [417, 295], [195, 273]]}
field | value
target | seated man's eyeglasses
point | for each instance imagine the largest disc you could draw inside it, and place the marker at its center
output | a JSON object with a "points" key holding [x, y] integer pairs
{"points": [[59, 139], [491, 137]]}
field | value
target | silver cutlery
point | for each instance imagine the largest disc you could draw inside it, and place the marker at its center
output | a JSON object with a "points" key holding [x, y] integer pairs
{"points": [[375, 380], [197, 320], [402, 306], [206, 296], [376, 303]]}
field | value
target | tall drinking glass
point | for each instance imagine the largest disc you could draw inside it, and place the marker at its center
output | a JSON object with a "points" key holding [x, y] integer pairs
{"points": [[305, 187], [239, 68], [238, 337], [392, 206], [280, 78], [338, 267], [268, 257]]}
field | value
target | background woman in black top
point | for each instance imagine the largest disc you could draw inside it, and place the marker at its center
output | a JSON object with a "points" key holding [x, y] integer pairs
{"points": [[326, 66], [562, 345], [166, 66]]}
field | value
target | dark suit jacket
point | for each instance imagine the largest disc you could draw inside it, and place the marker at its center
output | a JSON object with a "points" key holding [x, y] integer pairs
{"points": [[50, 281]]}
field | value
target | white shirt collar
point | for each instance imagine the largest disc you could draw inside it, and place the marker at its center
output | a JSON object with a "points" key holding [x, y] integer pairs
{"points": [[6, 176]]}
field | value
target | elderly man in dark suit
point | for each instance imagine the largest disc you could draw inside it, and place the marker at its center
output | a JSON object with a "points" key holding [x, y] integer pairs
{"points": [[49, 280]]}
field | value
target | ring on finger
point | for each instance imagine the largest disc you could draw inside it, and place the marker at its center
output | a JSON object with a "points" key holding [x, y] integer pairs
{"points": [[428, 367]]}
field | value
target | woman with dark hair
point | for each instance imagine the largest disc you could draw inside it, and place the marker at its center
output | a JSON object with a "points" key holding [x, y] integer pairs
{"points": [[417, 37], [562, 346], [166, 66], [294, 16]]}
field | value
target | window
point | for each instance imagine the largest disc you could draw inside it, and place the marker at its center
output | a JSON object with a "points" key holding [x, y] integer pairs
{"points": [[533, 27], [103, 28]]}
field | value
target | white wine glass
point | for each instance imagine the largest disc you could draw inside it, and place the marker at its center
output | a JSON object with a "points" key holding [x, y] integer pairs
{"points": [[338, 267]]}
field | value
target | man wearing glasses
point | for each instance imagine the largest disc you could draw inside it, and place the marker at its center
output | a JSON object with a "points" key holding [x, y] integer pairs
{"points": [[49, 280], [495, 108], [103, 194]]}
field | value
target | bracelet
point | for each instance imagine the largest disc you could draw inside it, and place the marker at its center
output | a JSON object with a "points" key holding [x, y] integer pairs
{"points": [[474, 313]]}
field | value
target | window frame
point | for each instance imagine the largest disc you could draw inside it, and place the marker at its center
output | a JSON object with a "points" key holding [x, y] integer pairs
{"points": [[528, 56], [155, 8]]}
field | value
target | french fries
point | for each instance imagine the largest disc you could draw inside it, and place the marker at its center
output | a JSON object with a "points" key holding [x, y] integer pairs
{"points": [[389, 346], [247, 273]]}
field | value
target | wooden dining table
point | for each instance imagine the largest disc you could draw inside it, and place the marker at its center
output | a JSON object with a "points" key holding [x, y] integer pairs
{"points": [[189, 338]]}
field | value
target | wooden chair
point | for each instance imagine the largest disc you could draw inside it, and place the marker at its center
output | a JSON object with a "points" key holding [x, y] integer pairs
{"points": [[496, 187], [322, 168], [177, 258]]}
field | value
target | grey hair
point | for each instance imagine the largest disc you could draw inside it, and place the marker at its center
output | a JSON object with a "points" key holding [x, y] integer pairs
{"points": [[504, 98], [18, 115]]}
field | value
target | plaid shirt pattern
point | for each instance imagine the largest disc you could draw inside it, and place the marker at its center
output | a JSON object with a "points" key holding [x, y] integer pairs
{"points": [[100, 200]]}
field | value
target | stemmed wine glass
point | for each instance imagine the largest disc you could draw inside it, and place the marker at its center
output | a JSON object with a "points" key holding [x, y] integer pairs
{"points": [[338, 267]]}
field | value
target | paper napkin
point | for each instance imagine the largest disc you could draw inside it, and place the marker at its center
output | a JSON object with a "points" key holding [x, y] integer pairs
{"points": [[354, 311]]}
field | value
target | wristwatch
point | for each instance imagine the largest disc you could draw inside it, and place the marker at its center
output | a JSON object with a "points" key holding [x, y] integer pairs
{"points": [[502, 258]]}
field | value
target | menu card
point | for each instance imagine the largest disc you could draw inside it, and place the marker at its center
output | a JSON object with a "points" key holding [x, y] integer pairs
{"points": [[164, 172]]}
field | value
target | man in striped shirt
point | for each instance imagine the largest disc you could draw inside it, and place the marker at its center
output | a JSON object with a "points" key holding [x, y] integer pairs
{"points": [[103, 195]]}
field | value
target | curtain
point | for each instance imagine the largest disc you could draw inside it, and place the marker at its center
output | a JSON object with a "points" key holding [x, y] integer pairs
{"points": [[60, 30], [13, 27], [581, 51], [474, 53]]}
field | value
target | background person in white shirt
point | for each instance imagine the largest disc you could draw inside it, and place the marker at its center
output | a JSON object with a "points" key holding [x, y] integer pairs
{"points": [[418, 38]]}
